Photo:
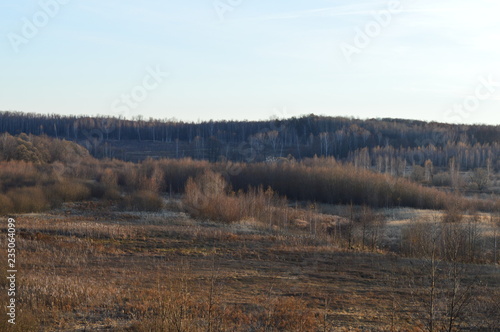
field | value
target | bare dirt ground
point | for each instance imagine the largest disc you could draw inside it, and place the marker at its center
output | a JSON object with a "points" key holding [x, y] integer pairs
{"points": [[90, 267]]}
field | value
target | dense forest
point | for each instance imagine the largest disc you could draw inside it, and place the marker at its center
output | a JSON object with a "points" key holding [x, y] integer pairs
{"points": [[386, 145]]}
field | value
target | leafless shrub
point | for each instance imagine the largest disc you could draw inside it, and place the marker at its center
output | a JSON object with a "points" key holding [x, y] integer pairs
{"points": [[29, 199], [70, 191], [6, 204], [142, 201], [209, 196]]}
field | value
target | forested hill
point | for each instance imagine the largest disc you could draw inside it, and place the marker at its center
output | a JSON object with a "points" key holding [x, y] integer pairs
{"points": [[381, 143]]}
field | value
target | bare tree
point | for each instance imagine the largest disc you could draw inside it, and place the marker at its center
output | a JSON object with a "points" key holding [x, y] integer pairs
{"points": [[479, 178], [444, 286]]}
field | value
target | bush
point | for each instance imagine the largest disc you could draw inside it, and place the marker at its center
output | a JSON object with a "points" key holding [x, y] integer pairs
{"points": [[103, 191], [6, 205], [206, 197], [441, 180], [97, 190], [15, 174], [70, 191], [209, 196], [142, 201], [29, 199]]}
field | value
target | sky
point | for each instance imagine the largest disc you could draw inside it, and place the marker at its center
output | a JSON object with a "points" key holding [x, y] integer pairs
{"points": [[196, 60]]}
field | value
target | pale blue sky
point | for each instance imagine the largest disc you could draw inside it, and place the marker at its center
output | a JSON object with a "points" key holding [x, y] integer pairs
{"points": [[263, 59]]}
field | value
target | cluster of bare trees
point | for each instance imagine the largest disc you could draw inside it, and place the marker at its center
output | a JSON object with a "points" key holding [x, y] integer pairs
{"points": [[326, 181], [466, 156]]}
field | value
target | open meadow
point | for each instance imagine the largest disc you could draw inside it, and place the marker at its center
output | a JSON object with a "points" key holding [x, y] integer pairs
{"points": [[91, 267]]}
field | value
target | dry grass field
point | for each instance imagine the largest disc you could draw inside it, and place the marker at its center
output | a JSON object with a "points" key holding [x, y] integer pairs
{"points": [[91, 267]]}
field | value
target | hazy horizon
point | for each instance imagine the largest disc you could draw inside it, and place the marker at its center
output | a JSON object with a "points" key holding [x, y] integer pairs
{"points": [[253, 60]]}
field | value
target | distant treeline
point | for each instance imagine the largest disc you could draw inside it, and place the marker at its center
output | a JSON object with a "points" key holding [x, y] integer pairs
{"points": [[385, 144]]}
